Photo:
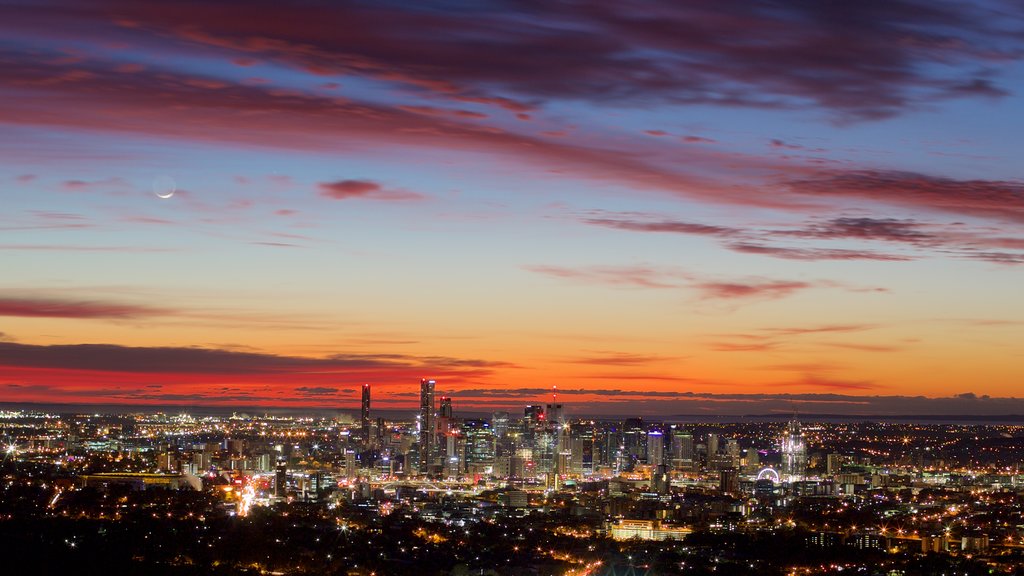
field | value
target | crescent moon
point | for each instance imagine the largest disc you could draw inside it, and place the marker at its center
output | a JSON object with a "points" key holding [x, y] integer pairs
{"points": [[164, 187]]}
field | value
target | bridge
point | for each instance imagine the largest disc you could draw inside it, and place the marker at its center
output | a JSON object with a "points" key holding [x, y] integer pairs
{"points": [[429, 487]]}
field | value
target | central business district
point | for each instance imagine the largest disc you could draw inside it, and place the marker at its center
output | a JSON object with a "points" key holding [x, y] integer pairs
{"points": [[541, 453], [652, 481]]}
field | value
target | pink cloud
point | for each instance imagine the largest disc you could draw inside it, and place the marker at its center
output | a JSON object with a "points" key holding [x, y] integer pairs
{"points": [[670, 278], [85, 185], [767, 289], [1000, 200], [347, 189], [637, 276], [888, 58], [56, 308]]}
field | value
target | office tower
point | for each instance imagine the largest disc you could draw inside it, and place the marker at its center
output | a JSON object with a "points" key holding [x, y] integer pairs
{"points": [[427, 427], [499, 424], [555, 415], [660, 480], [732, 450], [712, 445], [445, 428], [351, 464], [264, 463], [732, 447], [764, 490], [558, 428], [364, 414], [655, 448], [682, 448], [233, 447], [533, 417], [533, 425], [452, 454], [729, 480], [545, 450], [479, 439], [634, 439], [608, 444], [794, 453], [281, 480], [582, 448], [833, 463], [445, 423], [753, 461]]}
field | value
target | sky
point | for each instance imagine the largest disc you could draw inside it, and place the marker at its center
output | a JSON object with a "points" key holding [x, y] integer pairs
{"points": [[660, 208]]}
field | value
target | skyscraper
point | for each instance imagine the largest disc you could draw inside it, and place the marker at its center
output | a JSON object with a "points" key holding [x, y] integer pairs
{"points": [[794, 453], [661, 482], [712, 445], [479, 442], [533, 417], [682, 448], [555, 415], [729, 480], [634, 439], [499, 423], [281, 479], [427, 428], [365, 414], [444, 429], [655, 448], [582, 440]]}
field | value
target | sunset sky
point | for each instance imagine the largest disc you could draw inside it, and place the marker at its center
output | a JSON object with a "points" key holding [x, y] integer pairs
{"points": [[699, 207]]}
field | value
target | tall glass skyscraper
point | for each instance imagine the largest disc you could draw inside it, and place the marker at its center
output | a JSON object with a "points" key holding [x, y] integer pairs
{"points": [[365, 414], [427, 428], [794, 453]]}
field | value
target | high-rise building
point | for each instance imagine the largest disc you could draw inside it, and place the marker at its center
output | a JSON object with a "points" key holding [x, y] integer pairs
{"points": [[655, 448], [729, 480], [634, 439], [533, 426], [281, 480], [712, 445], [452, 454], [499, 424], [682, 448], [479, 442], [752, 462], [533, 417], [445, 423], [794, 453], [351, 464], [608, 444], [427, 429], [581, 446], [833, 463], [732, 450], [555, 415], [661, 482], [445, 429], [364, 414]]}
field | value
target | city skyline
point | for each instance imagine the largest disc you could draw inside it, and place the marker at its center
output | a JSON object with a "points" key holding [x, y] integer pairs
{"points": [[661, 209]]}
